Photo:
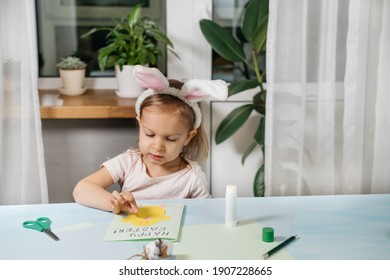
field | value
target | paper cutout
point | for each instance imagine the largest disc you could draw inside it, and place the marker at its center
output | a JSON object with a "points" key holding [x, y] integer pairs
{"points": [[147, 216], [218, 242], [151, 222]]}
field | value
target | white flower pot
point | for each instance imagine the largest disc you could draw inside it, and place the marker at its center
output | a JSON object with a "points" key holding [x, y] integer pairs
{"points": [[127, 85], [72, 81]]}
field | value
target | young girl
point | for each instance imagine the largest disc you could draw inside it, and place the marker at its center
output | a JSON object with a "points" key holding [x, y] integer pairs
{"points": [[171, 140]]}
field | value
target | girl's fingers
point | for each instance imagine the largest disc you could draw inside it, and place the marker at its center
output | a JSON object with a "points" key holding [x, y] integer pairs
{"points": [[123, 202], [118, 196], [132, 206], [115, 206]]}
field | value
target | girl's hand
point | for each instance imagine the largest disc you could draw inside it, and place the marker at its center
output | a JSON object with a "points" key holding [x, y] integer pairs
{"points": [[123, 202]]}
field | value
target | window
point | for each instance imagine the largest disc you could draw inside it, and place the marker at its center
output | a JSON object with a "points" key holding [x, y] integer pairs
{"points": [[60, 23]]}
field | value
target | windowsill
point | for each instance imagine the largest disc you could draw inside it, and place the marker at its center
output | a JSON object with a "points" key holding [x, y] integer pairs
{"points": [[93, 104]]}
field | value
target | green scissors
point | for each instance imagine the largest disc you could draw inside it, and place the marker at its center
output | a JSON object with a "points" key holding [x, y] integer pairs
{"points": [[41, 224]]}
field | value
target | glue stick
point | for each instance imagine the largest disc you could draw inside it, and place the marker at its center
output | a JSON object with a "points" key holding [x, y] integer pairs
{"points": [[231, 206]]}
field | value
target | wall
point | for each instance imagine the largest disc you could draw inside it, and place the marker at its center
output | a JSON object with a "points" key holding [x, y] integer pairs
{"points": [[76, 148], [226, 167]]}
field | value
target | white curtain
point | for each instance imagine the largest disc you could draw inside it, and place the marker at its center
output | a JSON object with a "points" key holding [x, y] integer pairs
{"points": [[328, 102], [22, 169]]}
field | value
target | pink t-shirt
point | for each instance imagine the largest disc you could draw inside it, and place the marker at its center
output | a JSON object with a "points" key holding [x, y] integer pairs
{"points": [[129, 171]]}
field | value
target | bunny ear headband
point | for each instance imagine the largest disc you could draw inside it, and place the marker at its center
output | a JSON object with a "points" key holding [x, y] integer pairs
{"points": [[191, 93]]}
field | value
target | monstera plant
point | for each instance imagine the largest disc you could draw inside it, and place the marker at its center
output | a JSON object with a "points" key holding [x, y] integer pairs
{"points": [[253, 32]]}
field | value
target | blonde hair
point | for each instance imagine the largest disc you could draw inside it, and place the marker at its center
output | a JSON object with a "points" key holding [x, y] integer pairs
{"points": [[198, 148]]}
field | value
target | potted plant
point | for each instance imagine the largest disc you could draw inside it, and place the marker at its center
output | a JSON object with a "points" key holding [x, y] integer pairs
{"points": [[72, 73], [254, 32], [133, 40]]}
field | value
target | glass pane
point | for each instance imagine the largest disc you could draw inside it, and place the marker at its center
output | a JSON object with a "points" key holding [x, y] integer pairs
{"points": [[228, 13], [60, 24]]}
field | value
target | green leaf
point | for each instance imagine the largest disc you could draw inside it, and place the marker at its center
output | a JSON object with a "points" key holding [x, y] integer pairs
{"points": [[102, 60], [253, 16], [260, 36], [111, 61], [105, 57], [159, 36], [248, 151], [260, 132], [120, 61], [232, 122], [259, 102], [105, 51], [258, 183], [134, 15], [93, 30], [222, 41], [174, 53], [236, 87], [142, 57]]}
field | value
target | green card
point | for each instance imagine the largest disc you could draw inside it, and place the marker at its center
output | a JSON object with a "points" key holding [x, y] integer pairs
{"points": [[218, 242]]}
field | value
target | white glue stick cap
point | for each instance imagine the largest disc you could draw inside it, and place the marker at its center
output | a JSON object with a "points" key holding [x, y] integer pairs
{"points": [[231, 189]]}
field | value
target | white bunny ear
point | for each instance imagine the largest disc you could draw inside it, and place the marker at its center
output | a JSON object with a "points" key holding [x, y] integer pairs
{"points": [[197, 90], [150, 78]]}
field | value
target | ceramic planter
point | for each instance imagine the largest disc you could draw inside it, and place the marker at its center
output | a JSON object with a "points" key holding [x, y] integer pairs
{"points": [[72, 82], [127, 85]]}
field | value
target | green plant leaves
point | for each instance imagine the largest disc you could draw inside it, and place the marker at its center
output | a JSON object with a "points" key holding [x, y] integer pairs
{"points": [[258, 139], [222, 41], [134, 16], [260, 36], [93, 30], [135, 39], [259, 135], [254, 15], [254, 29], [71, 63], [248, 151], [237, 87], [160, 37], [232, 122], [259, 101], [258, 183]]}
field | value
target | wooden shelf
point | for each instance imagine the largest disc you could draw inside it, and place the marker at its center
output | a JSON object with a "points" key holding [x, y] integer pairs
{"points": [[94, 104]]}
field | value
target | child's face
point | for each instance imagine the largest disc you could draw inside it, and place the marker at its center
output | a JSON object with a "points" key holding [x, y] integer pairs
{"points": [[162, 135]]}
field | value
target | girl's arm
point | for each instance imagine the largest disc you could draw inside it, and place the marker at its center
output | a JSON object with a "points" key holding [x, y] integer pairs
{"points": [[92, 191]]}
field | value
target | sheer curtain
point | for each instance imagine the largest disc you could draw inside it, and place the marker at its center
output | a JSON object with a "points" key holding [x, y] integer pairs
{"points": [[328, 102], [22, 169]]}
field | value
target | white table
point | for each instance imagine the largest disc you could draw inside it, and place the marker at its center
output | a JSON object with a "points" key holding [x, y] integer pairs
{"points": [[354, 227]]}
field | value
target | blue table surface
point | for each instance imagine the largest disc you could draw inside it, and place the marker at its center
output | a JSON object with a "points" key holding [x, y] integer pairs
{"points": [[352, 227]]}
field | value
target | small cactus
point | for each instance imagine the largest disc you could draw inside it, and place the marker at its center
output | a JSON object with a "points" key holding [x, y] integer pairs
{"points": [[71, 63]]}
